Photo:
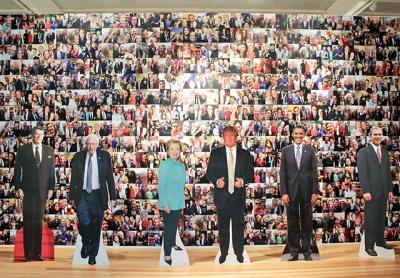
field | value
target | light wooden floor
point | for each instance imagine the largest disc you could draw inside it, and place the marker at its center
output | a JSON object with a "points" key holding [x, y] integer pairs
{"points": [[337, 260]]}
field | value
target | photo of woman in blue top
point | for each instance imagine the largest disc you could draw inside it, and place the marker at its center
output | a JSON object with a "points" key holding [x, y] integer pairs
{"points": [[171, 184]]}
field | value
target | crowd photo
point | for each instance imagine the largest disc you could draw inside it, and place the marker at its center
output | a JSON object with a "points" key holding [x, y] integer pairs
{"points": [[150, 94]]}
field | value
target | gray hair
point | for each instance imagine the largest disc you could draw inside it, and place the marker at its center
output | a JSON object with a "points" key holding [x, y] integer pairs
{"points": [[94, 138], [37, 128]]}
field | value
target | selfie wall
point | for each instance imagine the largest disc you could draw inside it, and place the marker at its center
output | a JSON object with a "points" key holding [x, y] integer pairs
{"points": [[139, 79]]}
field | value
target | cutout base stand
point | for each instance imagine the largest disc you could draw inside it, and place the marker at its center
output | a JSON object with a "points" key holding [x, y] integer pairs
{"points": [[382, 252], [179, 258], [101, 258], [314, 253], [47, 244], [231, 257]]}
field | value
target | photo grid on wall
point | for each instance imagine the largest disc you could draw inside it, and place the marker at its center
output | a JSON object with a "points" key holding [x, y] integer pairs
{"points": [[139, 79]]}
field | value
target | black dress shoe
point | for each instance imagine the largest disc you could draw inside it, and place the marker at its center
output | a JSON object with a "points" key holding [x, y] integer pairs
{"points": [[27, 259], [222, 259], [37, 258], [371, 252], [293, 258], [84, 254], [168, 261], [92, 260], [240, 258], [385, 246], [177, 248], [307, 257]]}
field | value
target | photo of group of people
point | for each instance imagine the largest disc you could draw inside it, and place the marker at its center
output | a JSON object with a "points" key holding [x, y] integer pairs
{"points": [[139, 79]]}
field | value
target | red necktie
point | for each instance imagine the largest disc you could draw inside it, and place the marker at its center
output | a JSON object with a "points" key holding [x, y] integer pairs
{"points": [[378, 153]]}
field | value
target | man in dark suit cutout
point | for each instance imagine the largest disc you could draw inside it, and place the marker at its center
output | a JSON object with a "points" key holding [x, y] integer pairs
{"points": [[92, 186], [230, 169], [299, 189], [34, 181], [376, 182]]}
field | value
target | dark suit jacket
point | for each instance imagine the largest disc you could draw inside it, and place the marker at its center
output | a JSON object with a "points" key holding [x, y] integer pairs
{"points": [[32, 118], [375, 177], [217, 168], [34, 181], [106, 179], [344, 224], [291, 177], [80, 131]]}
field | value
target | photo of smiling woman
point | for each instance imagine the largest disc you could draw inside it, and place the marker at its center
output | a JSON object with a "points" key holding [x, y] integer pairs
{"points": [[171, 184]]}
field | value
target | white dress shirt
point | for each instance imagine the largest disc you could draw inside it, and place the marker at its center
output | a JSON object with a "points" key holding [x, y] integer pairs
{"points": [[234, 150], [301, 152], [228, 150], [376, 148], [40, 150], [95, 172], [227, 161], [295, 148]]}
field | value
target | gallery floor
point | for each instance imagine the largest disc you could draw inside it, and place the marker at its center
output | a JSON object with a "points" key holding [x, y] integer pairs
{"points": [[337, 260]]}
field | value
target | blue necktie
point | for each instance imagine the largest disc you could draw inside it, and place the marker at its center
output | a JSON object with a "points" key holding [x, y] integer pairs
{"points": [[298, 157], [89, 175]]}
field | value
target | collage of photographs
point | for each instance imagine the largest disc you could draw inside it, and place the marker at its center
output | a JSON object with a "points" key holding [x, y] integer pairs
{"points": [[139, 79]]}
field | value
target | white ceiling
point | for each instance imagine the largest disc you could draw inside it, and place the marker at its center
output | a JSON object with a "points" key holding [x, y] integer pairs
{"points": [[334, 7]]}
